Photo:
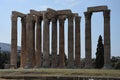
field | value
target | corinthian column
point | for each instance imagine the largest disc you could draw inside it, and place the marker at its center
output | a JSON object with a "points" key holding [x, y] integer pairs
{"points": [[61, 42], [70, 41], [46, 60], [30, 44], [107, 47], [13, 60], [88, 61], [77, 42], [38, 43], [33, 41], [23, 43], [54, 42]]}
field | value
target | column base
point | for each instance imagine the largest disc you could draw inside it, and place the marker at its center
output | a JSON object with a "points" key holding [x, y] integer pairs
{"points": [[71, 65], [37, 66], [46, 65], [28, 67], [7, 66], [61, 66], [77, 67], [88, 67], [107, 66]]}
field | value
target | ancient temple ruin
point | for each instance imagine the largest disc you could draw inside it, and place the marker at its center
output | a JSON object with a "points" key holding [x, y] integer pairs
{"points": [[88, 48], [31, 53]]}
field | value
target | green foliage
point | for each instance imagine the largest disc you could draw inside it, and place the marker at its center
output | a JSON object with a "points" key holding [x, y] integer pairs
{"points": [[4, 59], [115, 62], [99, 61]]}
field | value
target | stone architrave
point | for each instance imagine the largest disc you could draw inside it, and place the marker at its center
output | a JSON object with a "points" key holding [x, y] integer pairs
{"points": [[54, 42], [88, 61], [77, 42], [46, 60], [38, 42], [30, 36], [97, 8], [107, 47], [23, 43], [13, 59], [70, 41], [61, 42]]}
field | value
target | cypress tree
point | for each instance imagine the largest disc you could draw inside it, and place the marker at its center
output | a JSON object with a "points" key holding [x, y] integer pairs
{"points": [[99, 61]]}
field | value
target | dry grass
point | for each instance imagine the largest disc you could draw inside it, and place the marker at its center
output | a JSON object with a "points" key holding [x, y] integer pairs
{"points": [[61, 72]]}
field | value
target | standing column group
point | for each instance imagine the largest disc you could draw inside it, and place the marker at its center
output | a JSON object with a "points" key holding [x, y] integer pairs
{"points": [[31, 46], [107, 46]]}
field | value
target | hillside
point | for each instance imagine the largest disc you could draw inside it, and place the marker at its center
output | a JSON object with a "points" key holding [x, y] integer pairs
{"points": [[5, 47]]}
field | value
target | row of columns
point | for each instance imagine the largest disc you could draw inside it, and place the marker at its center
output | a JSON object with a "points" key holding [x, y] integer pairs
{"points": [[88, 47], [31, 56]]}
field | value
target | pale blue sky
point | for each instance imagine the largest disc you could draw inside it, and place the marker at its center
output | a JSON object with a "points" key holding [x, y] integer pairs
{"points": [[77, 6]]}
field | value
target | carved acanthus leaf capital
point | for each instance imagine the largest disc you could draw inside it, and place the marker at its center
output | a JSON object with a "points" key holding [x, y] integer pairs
{"points": [[50, 14], [29, 18], [70, 16], [88, 15], [23, 19], [54, 20], [62, 17], [106, 13], [77, 19], [14, 17], [38, 18]]}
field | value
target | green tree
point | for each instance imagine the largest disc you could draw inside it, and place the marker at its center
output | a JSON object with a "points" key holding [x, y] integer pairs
{"points": [[99, 61], [4, 59], [115, 62]]}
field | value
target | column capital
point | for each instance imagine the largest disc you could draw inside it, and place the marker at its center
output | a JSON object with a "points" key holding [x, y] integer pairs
{"points": [[23, 19], [70, 16], [14, 17], [106, 13], [88, 15], [78, 19], [38, 18], [29, 18], [62, 17], [54, 20], [49, 14]]}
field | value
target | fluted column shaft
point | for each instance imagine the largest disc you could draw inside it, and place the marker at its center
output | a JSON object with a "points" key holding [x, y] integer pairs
{"points": [[88, 62], [38, 42], [77, 42], [61, 42], [54, 42], [33, 41], [13, 60], [30, 36], [46, 61], [107, 47], [23, 43], [70, 41]]}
